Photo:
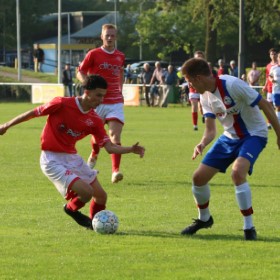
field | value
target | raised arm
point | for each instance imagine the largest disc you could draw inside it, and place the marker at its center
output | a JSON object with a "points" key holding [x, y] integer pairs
{"points": [[19, 119]]}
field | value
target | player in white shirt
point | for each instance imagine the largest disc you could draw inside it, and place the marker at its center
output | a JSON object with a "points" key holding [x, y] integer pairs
{"points": [[274, 76], [70, 119], [237, 106]]}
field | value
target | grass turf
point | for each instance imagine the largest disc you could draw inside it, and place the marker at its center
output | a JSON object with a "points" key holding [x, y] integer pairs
{"points": [[154, 203]]}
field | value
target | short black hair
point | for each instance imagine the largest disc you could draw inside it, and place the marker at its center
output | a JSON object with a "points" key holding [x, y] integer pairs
{"points": [[95, 81]]}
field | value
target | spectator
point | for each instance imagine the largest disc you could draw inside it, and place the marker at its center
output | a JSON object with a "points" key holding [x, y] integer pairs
{"points": [[171, 80], [127, 75], [156, 84], [222, 70], [253, 76], [67, 79], [267, 88], [38, 58], [233, 70], [145, 79]]}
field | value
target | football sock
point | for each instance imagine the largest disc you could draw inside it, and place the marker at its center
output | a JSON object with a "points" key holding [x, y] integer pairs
{"points": [[75, 204], [202, 195], [194, 118], [116, 161], [95, 208], [244, 200]]}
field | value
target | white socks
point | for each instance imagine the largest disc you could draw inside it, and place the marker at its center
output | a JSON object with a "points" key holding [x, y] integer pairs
{"points": [[244, 200], [202, 196]]}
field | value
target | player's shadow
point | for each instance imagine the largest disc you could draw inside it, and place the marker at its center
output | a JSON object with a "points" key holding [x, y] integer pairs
{"points": [[208, 237]]}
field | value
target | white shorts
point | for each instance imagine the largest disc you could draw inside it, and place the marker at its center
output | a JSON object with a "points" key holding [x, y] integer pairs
{"points": [[269, 97], [64, 169], [194, 95], [109, 112]]}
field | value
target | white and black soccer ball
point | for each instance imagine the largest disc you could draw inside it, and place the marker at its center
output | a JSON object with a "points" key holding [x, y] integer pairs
{"points": [[105, 222]]}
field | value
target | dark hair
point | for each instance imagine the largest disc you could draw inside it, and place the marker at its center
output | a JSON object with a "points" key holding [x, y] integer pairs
{"points": [[196, 66], [95, 81], [272, 50]]}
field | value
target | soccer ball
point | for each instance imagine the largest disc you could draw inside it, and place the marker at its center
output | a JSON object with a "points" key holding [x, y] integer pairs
{"points": [[105, 222]]}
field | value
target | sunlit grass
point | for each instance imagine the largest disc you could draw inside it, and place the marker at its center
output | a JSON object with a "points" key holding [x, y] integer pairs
{"points": [[154, 203]]}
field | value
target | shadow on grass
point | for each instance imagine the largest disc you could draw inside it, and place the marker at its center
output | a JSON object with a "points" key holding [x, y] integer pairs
{"points": [[210, 237]]}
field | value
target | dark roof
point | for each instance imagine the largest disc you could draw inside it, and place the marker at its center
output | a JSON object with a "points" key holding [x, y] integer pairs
{"points": [[93, 30]]}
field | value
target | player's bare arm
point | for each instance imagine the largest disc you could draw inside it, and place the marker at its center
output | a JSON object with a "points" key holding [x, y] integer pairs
{"points": [[117, 149], [270, 114], [19, 119], [208, 136]]}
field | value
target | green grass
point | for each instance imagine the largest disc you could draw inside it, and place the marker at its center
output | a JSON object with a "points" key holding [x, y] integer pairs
{"points": [[45, 78], [154, 203]]}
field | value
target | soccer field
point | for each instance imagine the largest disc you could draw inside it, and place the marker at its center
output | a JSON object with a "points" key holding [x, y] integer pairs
{"points": [[153, 203]]}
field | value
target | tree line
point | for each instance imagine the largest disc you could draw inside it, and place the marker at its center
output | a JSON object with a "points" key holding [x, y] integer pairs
{"points": [[167, 30]]}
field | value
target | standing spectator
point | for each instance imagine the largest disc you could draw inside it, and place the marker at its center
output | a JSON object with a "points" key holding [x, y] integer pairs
{"points": [[171, 80], [128, 75], [70, 120], [233, 70], [267, 88], [222, 70], [108, 62], [194, 98], [38, 58], [67, 79], [156, 84], [253, 76], [145, 79], [274, 76], [237, 107]]}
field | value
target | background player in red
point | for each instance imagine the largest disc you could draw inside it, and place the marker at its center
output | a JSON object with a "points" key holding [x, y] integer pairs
{"points": [[108, 62], [194, 97], [70, 120], [268, 84]]}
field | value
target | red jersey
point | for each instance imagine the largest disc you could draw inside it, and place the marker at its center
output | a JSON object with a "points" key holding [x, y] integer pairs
{"points": [[67, 123], [110, 66], [192, 89], [268, 86]]}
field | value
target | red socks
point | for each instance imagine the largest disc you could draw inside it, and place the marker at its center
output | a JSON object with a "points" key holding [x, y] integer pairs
{"points": [[116, 161], [94, 208], [194, 118], [75, 204]]}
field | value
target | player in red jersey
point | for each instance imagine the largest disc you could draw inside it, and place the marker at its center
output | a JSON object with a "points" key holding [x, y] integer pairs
{"points": [[194, 97], [108, 62], [70, 119], [268, 84]]}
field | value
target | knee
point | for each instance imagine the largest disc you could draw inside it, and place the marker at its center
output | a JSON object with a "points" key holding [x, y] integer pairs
{"points": [[198, 179], [237, 177]]}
